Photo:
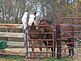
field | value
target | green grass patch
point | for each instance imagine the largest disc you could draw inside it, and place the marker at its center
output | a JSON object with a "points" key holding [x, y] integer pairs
{"points": [[12, 58], [62, 59], [19, 58]]}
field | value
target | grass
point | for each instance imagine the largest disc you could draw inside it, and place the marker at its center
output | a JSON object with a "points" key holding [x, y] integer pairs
{"points": [[16, 58], [19, 58], [62, 59], [12, 58]]}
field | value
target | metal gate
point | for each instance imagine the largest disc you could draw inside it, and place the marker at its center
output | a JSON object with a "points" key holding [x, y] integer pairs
{"points": [[33, 50], [70, 28]]}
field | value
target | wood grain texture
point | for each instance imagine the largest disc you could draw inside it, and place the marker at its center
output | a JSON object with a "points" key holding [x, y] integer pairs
{"points": [[11, 34], [11, 26]]}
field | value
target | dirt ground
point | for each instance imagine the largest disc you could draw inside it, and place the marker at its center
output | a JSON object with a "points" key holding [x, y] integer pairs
{"points": [[76, 57]]}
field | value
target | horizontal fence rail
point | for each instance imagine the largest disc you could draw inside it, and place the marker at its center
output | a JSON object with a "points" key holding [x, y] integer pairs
{"points": [[29, 53], [14, 38], [10, 25], [70, 28], [41, 53], [11, 34]]}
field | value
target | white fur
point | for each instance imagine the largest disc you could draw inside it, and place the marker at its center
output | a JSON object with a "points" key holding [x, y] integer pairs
{"points": [[24, 20], [31, 19]]}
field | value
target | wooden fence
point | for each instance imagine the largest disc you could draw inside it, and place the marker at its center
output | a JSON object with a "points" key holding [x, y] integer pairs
{"points": [[8, 34]]}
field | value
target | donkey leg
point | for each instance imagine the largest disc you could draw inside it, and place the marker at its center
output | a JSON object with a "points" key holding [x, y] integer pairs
{"points": [[33, 49], [69, 52], [72, 51], [40, 44], [52, 51]]}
